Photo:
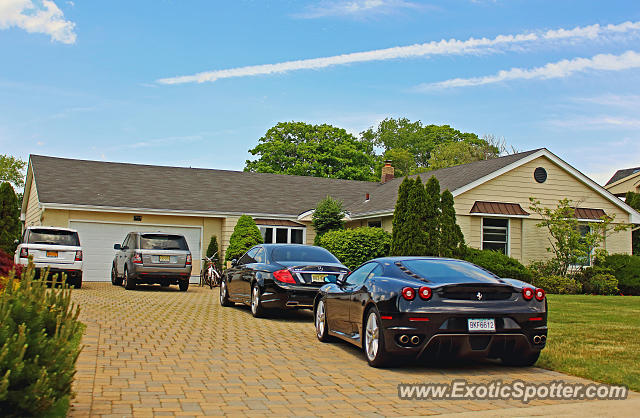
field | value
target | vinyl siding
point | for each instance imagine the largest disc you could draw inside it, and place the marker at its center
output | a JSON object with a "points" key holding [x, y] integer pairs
{"points": [[228, 224], [33, 211], [631, 184], [528, 242]]}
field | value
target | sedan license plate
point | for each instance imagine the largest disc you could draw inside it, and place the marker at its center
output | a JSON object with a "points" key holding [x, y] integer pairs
{"points": [[52, 253], [318, 278], [481, 325], [164, 259]]}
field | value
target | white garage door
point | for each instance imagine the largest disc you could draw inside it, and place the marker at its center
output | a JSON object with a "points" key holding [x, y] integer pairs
{"points": [[97, 241]]}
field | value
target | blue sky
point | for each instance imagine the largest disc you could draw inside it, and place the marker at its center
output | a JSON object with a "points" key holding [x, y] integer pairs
{"points": [[197, 83]]}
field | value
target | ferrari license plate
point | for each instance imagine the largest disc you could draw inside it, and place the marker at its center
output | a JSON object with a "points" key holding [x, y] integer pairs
{"points": [[52, 253], [164, 258], [481, 325], [318, 278]]}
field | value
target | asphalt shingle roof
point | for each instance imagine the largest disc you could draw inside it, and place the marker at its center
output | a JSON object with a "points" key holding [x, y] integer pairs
{"points": [[620, 174], [98, 183]]}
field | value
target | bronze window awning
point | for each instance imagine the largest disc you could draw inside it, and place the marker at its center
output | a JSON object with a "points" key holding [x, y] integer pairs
{"points": [[277, 222], [498, 208], [589, 213]]}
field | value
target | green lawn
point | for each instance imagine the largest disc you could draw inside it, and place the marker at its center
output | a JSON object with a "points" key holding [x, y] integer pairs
{"points": [[595, 337]]}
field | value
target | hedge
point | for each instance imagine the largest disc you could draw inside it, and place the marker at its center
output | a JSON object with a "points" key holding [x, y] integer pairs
{"points": [[500, 264], [355, 246], [558, 284], [39, 334], [626, 268]]}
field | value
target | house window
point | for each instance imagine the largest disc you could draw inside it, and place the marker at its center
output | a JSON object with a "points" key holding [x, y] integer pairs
{"points": [[495, 234], [585, 260], [281, 234], [375, 224]]}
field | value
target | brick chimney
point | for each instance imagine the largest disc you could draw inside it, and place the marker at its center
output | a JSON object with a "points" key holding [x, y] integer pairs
{"points": [[387, 172]]}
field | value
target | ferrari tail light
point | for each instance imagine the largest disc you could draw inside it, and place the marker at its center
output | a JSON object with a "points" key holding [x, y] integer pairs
{"points": [[408, 293], [188, 259], [527, 293], [137, 258], [425, 293], [284, 276], [539, 294], [24, 253], [79, 255]]}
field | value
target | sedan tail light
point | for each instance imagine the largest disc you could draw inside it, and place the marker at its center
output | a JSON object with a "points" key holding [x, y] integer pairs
{"points": [[539, 294], [188, 259], [24, 253], [284, 276], [425, 293], [408, 293], [137, 258], [79, 255], [527, 293]]}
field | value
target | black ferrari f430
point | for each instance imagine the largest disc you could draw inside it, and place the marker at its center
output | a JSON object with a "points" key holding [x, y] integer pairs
{"points": [[433, 307]]}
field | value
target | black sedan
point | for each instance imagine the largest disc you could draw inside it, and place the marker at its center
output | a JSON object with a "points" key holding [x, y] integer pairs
{"points": [[279, 276], [433, 307]]}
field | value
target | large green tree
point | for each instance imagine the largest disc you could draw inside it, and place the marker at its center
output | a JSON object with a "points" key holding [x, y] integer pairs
{"points": [[432, 215], [299, 148], [11, 170], [418, 210], [455, 153], [328, 216], [401, 215], [451, 238], [418, 139], [9, 218]]}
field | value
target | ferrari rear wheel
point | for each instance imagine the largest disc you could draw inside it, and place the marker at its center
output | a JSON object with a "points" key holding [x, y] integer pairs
{"points": [[373, 341]]}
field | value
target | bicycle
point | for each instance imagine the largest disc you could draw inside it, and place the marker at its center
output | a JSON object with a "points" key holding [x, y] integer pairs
{"points": [[209, 276]]}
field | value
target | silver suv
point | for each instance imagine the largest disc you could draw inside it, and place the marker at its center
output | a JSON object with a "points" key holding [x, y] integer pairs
{"points": [[152, 257], [55, 249]]}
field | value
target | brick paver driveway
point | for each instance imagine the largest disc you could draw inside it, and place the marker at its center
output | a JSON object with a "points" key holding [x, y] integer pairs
{"points": [[163, 352]]}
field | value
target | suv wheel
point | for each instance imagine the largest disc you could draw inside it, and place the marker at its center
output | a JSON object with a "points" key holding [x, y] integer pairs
{"points": [[184, 285], [129, 282], [115, 280], [77, 282]]}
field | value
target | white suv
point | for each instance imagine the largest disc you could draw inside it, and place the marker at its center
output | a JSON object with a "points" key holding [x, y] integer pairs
{"points": [[56, 249]]}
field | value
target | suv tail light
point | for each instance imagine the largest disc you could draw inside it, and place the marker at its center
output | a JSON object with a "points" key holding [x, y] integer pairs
{"points": [[425, 293], [408, 293], [188, 259], [24, 253], [284, 276], [137, 258], [539, 294], [527, 293], [79, 255]]}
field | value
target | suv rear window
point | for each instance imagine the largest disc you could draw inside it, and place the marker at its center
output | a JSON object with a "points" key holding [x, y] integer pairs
{"points": [[53, 237], [302, 253], [163, 242]]}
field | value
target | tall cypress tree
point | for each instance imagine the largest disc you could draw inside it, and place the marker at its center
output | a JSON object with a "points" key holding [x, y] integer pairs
{"points": [[451, 238], [432, 215], [9, 218], [399, 238], [418, 220]]}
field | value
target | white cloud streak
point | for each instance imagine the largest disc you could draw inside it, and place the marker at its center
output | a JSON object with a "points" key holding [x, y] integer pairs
{"points": [[355, 8], [560, 69], [44, 17], [434, 48]]}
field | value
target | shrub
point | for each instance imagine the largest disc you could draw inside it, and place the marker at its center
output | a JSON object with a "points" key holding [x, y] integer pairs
{"points": [[6, 267], [328, 216], [626, 268], [212, 249], [544, 268], [9, 218], [355, 246], [500, 264], [245, 235], [558, 284], [38, 346]]}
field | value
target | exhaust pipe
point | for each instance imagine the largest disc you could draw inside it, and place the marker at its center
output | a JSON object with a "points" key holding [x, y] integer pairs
{"points": [[543, 338], [415, 340], [536, 339], [404, 339]]}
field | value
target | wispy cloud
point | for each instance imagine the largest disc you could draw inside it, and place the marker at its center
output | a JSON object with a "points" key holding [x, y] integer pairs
{"points": [[42, 17], [629, 101], [434, 48], [353, 8], [596, 122], [560, 69]]}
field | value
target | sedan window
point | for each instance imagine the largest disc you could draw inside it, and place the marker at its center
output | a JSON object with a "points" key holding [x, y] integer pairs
{"points": [[248, 258], [306, 253]]}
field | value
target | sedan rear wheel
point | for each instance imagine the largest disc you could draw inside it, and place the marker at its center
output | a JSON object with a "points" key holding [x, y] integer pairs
{"points": [[322, 331], [224, 294], [256, 307], [373, 343]]}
